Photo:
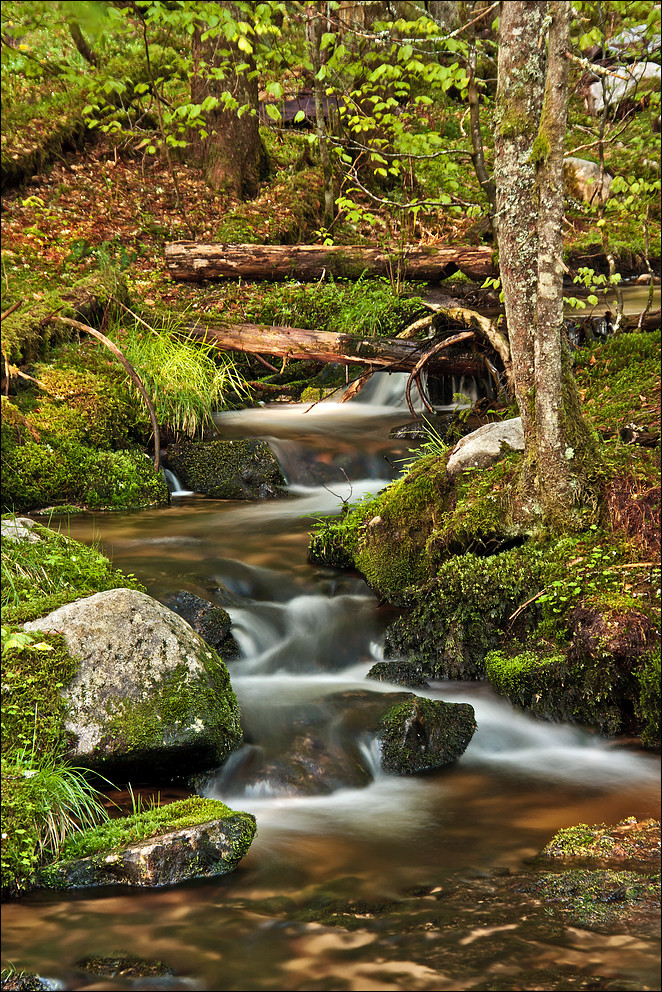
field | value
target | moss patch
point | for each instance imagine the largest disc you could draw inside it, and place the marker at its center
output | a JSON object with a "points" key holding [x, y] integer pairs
{"points": [[123, 831], [629, 840], [602, 899]]}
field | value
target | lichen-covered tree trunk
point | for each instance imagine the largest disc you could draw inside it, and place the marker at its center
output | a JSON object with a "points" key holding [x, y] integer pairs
{"points": [[229, 149], [532, 101]]}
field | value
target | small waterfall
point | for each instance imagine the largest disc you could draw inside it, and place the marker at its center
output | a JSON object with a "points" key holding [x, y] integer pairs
{"points": [[387, 389], [174, 485]]}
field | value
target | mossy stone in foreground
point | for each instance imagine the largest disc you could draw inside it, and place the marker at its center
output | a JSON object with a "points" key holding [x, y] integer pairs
{"points": [[149, 694], [243, 469], [190, 839], [419, 735]]}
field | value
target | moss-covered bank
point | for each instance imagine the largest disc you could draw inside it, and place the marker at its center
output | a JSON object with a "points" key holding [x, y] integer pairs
{"points": [[565, 627]]}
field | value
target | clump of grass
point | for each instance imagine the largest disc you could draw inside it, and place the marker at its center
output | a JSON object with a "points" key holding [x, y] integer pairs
{"points": [[45, 802], [187, 379]]}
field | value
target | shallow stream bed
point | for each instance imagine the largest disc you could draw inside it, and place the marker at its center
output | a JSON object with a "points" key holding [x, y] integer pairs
{"points": [[406, 883]]}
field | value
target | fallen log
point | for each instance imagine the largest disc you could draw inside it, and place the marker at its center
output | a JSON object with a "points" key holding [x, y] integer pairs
{"points": [[189, 260], [297, 343]]}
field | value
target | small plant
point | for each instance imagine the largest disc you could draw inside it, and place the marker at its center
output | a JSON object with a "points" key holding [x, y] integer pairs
{"points": [[187, 379]]}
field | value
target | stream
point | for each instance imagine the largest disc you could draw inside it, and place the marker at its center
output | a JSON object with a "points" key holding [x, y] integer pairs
{"points": [[422, 862]]}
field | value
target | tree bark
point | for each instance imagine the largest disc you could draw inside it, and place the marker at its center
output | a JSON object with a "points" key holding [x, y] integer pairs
{"points": [[193, 261], [314, 31], [296, 343], [531, 122], [229, 154]]}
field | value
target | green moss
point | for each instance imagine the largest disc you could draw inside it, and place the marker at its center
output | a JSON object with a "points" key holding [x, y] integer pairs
{"points": [[580, 841], [138, 727], [460, 615], [121, 832], [38, 474], [600, 898], [617, 378], [648, 703], [38, 577], [591, 692], [284, 213], [540, 148], [241, 469]]}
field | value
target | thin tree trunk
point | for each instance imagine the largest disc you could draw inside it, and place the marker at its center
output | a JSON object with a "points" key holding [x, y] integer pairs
{"points": [[314, 32], [553, 455], [519, 103]]}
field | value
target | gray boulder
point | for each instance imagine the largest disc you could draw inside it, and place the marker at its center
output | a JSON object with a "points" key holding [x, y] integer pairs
{"points": [[484, 446], [582, 180], [243, 469], [625, 82], [20, 529], [149, 692]]}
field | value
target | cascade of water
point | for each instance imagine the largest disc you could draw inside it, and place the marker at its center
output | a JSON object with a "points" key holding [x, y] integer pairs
{"points": [[175, 487]]}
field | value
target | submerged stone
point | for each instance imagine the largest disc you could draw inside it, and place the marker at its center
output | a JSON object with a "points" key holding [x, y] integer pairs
{"points": [[242, 469], [149, 695]]}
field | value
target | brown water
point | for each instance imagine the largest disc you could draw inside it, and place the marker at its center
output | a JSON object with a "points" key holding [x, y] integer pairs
{"points": [[430, 860]]}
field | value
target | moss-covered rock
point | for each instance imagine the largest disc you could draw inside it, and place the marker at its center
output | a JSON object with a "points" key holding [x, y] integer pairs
{"points": [[244, 469], [602, 899], [421, 735], [399, 673], [212, 622], [190, 839], [629, 840], [284, 213], [121, 965], [148, 693]]}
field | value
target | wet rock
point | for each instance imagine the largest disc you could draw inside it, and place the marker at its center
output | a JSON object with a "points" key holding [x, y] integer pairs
{"points": [[399, 673], [27, 981], [242, 469], [601, 899], [629, 840], [313, 765], [149, 692], [484, 446], [122, 965], [203, 850], [582, 180], [213, 623], [420, 735]]}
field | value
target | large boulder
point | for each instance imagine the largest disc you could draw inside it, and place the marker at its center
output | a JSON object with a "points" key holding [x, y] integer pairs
{"points": [[624, 83], [484, 446], [20, 529], [243, 469], [149, 694]]}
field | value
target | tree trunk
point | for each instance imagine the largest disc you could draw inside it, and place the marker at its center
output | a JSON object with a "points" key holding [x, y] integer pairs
{"points": [[531, 121], [228, 149], [193, 261], [314, 31], [297, 343]]}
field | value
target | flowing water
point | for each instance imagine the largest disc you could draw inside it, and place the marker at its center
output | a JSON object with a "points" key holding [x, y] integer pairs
{"points": [[419, 868]]}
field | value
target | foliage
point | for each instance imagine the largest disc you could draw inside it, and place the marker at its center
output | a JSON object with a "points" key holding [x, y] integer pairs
{"points": [[39, 576], [186, 379], [362, 307], [44, 802]]}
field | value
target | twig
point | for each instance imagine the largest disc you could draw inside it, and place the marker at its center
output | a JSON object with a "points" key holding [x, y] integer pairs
{"points": [[415, 374], [11, 309], [132, 373]]}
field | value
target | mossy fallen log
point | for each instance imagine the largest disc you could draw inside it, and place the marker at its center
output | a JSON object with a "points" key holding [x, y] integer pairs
{"points": [[387, 354], [193, 261]]}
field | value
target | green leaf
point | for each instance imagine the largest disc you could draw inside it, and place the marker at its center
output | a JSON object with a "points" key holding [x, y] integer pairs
{"points": [[273, 112]]}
